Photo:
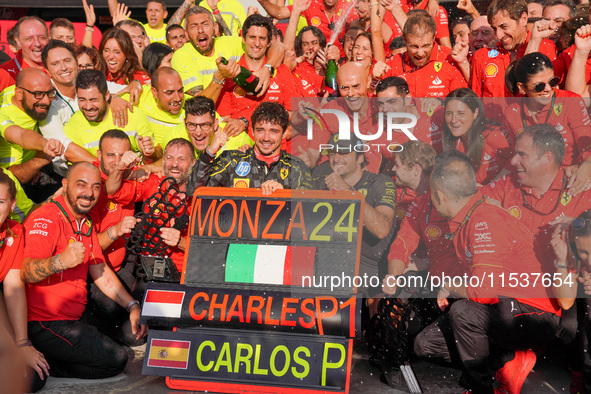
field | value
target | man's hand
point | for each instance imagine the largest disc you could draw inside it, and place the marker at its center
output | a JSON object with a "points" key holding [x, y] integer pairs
{"points": [[89, 12], [72, 256], [128, 160], [460, 52], [251, 11], [121, 14], [389, 284], [53, 148], [139, 330], [433, 8], [543, 29], [429, 105], [219, 140], [442, 300], [135, 92], [580, 178], [125, 226], [390, 4], [305, 157], [335, 182], [170, 236], [35, 360], [146, 145], [264, 76], [140, 174], [585, 279], [270, 186], [119, 109], [300, 6], [233, 126], [230, 70], [467, 6], [379, 70]]}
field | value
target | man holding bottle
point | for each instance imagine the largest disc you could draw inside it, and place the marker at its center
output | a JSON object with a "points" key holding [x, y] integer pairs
{"points": [[235, 101]]}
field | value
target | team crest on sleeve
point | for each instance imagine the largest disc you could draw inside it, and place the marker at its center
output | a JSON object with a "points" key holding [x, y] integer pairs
{"points": [[283, 173], [243, 168], [437, 66], [242, 183], [557, 109]]}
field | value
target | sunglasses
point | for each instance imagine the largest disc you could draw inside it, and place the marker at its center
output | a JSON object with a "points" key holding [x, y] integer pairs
{"points": [[539, 87], [579, 223]]}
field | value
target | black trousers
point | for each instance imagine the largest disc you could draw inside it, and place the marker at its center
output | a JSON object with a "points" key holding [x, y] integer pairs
{"points": [[481, 338], [108, 316], [75, 349]]}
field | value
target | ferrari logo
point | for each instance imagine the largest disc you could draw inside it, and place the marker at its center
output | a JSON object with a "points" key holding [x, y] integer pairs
{"points": [[565, 199], [284, 172], [557, 109], [437, 66]]}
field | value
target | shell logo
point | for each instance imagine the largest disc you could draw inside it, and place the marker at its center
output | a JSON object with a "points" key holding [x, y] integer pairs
{"points": [[433, 232], [315, 21], [71, 239], [515, 211], [241, 183], [491, 70]]}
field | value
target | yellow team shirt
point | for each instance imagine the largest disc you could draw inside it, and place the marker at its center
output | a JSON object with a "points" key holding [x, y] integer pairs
{"points": [[11, 154], [197, 70], [156, 35], [87, 134], [232, 12], [232, 144], [23, 202], [160, 121]]}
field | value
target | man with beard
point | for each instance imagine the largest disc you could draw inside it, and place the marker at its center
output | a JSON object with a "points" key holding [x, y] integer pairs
{"points": [[178, 159], [30, 104], [60, 62], [31, 36], [424, 65], [95, 117], [62, 249], [198, 62]]}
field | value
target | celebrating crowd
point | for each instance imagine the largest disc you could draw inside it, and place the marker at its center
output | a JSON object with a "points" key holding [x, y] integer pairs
{"points": [[489, 180]]}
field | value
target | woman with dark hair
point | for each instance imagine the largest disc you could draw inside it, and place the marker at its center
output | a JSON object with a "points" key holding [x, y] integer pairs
{"points": [[487, 143], [88, 58], [156, 55], [532, 79], [572, 247], [121, 61]]}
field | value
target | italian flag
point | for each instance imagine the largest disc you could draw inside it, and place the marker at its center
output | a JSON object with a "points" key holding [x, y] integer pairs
{"points": [[169, 354], [269, 264]]}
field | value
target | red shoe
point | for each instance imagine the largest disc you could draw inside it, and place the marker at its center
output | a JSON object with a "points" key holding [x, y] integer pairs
{"points": [[512, 375], [576, 382]]}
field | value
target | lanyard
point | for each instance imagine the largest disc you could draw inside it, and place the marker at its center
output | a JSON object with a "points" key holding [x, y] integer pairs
{"points": [[65, 101], [549, 110], [18, 65], [79, 232], [531, 208], [451, 236]]}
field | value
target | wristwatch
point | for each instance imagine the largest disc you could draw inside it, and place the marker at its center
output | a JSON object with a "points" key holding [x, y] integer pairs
{"points": [[245, 121], [271, 68]]}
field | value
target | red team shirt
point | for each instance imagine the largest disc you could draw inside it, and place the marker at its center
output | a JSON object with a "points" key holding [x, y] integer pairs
{"points": [[61, 296], [11, 251], [423, 225], [568, 116], [489, 65], [485, 247], [435, 79], [306, 80]]}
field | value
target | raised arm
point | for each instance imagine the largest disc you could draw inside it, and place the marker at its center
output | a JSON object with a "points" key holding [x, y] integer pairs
{"points": [[276, 11], [575, 78]]}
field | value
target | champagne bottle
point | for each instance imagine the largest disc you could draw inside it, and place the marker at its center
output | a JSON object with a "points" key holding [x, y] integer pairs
{"points": [[330, 79], [246, 79]]}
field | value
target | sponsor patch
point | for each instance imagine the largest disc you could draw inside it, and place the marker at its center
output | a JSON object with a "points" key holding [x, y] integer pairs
{"points": [[437, 66], [243, 168], [557, 109], [515, 211], [493, 53], [491, 70], [242, 183], [433, 232]]}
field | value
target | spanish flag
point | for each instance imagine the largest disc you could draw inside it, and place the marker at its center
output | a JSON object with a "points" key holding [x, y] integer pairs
{"points": [[269, 264], [169, 354]]}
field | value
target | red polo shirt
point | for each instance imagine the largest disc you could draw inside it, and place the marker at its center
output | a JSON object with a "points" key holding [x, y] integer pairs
{"points": [[308, 82], [14, 66], [404, 197], [133, 191], [141, 76], [489, 65], [496, 153], [423, 225], [49, 230], [11, 251], [568, 115], [562, 65], [437, 78], [553, 204], [107, 213], [491, 253]]}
